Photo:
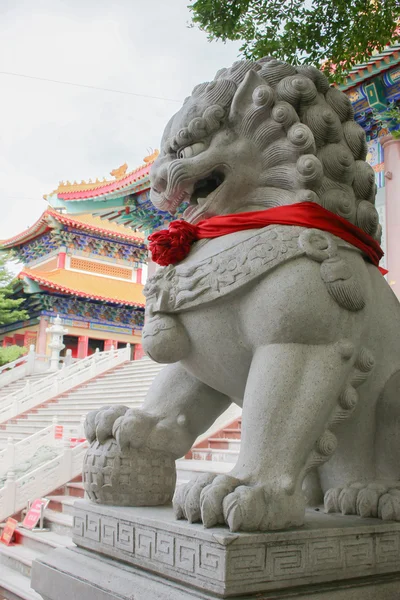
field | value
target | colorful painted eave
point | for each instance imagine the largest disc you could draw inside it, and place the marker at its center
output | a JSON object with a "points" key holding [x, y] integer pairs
{"points": [[84, 285], [373, 67], [123, 184], [84, 222]]}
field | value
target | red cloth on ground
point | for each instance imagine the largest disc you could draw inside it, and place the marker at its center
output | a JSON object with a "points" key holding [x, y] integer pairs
{"points": [[173, 245]]}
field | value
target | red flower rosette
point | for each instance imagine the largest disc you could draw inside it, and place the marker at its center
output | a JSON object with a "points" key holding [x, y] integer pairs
{"points": [[172, 245]]}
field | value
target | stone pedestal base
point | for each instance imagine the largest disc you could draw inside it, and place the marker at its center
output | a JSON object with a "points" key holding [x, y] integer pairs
{"points": [[144, 554]]}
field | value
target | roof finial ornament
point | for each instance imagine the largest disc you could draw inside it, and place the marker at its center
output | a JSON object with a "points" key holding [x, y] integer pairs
{"points": [[152, 156], [120, 172]]}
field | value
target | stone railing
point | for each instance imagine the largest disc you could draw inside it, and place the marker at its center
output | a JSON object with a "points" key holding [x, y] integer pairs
{"points": [[59, 382], [17, 493], [16, 453], [24, 365]]}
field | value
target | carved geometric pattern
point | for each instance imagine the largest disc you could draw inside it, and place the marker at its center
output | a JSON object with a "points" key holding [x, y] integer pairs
{"points": [[209, 560], [287, 560], [220, 568], [358, 552], [185, 555], [325, 554], [247, 561], [93, 527], [144, 542], [125, 537], [388, 548], [164, 548]]}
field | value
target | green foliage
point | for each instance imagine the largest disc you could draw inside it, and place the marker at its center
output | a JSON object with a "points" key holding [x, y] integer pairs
{"points": [[321, 32], [9, 307], [11, 353]]}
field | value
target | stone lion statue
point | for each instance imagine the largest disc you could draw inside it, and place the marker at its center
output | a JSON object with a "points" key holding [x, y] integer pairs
{"points": [[292, 323]]}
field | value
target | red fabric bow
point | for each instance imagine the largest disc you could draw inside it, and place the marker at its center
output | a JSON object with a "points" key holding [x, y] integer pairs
{"points": [[173, 245]]}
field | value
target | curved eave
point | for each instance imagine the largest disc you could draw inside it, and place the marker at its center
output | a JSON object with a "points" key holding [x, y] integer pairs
{"points": [[123, 186], [75, 223], [44, 224], [39, 228], [49, 286]]}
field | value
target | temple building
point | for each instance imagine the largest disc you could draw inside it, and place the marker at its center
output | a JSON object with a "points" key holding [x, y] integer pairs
{"points": [[89, 271]]}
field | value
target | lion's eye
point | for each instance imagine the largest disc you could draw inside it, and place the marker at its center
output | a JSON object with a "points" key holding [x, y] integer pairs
{"points": [[190, 151]]}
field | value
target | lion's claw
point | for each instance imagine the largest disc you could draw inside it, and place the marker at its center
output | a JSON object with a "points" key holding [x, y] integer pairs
{"points": [[212, 497], [367, 500], [242, 506]]}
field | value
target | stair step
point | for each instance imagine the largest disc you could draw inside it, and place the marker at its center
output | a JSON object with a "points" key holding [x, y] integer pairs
{"points": [[187, 469], [58, 522], [229, 433], [12, 582], [224, 443], [19, 558], [75, 489], [62, 504], [215, 454], [93, 394], [42, 541]]}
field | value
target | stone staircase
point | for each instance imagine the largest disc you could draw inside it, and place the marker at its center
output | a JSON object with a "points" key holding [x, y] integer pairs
{"points": [[19, 384], [16, 561], [126, 384], [215, 453]]}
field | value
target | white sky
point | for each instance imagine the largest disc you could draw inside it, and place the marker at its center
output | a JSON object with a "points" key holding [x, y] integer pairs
{"points": [[51, 132]]}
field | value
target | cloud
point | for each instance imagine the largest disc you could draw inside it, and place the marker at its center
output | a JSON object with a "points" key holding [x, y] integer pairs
{"points": [[51, 132]]}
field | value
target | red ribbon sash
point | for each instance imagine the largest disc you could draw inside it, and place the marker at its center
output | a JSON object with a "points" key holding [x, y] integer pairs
{"points": [[173, 245]]}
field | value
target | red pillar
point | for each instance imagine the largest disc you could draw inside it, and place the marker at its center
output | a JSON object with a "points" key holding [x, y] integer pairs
{"points": [[83, 345], [139, 275], [391, 148], [109, 343], [138, 352], [61, 258]]}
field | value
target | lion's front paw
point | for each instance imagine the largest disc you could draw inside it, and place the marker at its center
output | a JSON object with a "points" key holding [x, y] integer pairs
{"points": [[243, 506], [376, 499], [99, 423]]}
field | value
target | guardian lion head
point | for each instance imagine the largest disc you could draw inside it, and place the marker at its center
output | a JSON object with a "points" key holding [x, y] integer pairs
{"points": [[265, 134]]}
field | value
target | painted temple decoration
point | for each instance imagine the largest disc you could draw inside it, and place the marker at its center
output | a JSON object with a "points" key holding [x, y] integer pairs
{"points": [[374, 90]]}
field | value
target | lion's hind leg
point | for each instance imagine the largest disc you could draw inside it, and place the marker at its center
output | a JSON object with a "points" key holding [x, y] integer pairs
{"points": [[380, 497]]}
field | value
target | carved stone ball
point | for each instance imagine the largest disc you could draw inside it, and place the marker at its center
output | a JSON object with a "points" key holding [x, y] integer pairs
{"points": [[132, 477]]}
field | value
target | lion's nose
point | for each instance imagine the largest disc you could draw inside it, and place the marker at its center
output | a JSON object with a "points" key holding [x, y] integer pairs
{"points": [[159, 180]]}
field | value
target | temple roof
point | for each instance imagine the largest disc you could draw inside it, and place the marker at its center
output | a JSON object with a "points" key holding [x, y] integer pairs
{"points": [[85, 222], [84, 285], [378, 63], [123, 182]]}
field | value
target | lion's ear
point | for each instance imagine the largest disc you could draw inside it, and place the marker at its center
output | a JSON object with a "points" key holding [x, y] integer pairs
{"points": [[243, 98]]}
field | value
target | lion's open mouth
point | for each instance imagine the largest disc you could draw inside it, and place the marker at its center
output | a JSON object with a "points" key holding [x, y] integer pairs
{"points": [[201, 195]]}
